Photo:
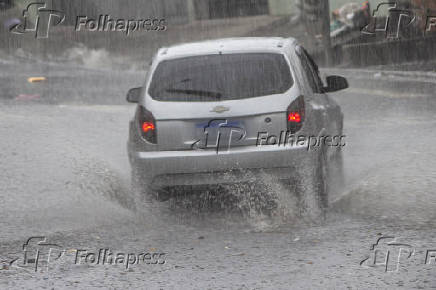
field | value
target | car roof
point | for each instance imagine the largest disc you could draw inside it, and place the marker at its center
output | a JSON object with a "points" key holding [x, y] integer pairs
{"points": [[227, 45]]}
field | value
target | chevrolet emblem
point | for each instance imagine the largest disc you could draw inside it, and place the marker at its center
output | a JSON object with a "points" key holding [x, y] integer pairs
{"points": [[220, 109]]}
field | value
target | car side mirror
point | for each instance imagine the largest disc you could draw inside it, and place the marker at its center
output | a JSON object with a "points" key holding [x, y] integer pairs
{"points": [[335, 83], [133, 95]]}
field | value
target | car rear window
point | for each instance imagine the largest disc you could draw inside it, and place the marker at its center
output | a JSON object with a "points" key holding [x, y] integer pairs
{"points": [[220, 77]]}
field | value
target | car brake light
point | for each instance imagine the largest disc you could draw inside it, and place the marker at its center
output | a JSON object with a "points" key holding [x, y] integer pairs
{"points": [[147, 124], [295, 115]]}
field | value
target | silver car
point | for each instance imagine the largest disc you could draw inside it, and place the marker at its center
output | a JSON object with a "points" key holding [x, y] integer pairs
{"points": [[234, 110]]}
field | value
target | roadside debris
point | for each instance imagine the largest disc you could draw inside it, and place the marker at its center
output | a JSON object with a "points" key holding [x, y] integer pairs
{"points": [[25, 97], [11, 22], [36, 79], [377, 75], [350, 17]]}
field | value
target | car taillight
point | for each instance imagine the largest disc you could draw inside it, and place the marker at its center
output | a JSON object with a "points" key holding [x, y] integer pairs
{"points": [[147, 125], [295, 115]]}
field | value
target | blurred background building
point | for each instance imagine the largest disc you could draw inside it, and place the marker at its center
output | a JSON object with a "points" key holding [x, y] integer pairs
{"points": [[193, 20], [176, 11]]}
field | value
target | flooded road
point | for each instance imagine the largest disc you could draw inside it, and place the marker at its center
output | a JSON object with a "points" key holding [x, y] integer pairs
{"points": [[65, 176]]}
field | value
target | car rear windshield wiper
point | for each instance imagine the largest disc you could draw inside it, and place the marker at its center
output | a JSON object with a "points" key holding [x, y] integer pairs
{"points": [[202, 93]]}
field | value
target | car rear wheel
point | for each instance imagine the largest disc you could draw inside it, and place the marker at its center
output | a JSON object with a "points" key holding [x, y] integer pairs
{"points": [[336, 176], [139, 188], [142, 191], [313, 189]]}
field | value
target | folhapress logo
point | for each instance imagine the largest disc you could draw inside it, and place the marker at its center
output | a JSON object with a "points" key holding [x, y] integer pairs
{"points": [[38, 18], [397, 21], [219, 135]]}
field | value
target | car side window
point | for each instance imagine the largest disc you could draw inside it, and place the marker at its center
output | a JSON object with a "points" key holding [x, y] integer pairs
{"points": [[307, 71], [315, 71], [311, 70]]}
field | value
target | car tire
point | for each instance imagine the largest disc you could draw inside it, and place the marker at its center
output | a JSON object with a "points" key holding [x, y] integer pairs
{"points": [[313, 191], [140, 189], [336, 173]]}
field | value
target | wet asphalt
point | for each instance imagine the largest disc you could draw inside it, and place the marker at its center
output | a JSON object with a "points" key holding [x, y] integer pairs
{"points": [[65, 177]]}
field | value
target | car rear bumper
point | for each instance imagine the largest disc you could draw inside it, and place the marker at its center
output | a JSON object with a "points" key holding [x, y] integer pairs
{"points": [[199, 167]]}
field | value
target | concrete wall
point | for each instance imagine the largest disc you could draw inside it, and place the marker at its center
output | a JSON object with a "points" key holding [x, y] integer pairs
{"points": [[389, 52], [206, 9], [201, 8], [281, 7]]}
